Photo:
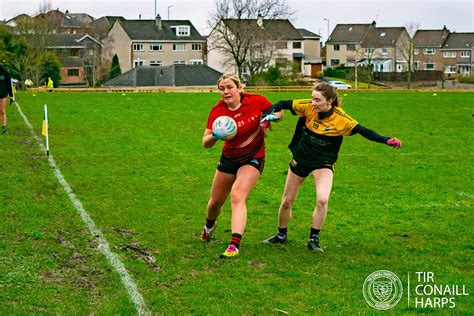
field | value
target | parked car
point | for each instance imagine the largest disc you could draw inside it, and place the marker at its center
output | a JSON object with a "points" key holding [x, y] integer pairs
{"points": [[340, 85]]}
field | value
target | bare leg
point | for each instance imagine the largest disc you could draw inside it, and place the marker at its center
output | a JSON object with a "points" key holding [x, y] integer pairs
{"points": [[247, 177], [221, 186], [323, 184], [292, 186], [3, 111]]}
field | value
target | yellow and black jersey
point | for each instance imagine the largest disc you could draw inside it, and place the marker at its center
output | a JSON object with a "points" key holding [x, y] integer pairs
{"points": [[318, 138]]}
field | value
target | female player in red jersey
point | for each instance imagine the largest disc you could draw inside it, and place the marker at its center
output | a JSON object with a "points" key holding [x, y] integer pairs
{"points": [[242, 159]]}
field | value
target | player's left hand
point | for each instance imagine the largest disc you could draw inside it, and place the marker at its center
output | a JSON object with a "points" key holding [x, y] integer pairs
{"points": [[395, 143], [270, 118]]}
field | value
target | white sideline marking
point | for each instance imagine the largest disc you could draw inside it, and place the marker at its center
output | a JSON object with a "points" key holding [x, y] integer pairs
{"points": [[127, 280]]}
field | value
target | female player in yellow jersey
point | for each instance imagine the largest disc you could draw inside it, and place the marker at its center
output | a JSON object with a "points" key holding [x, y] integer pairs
{"points": [[315, 147]]}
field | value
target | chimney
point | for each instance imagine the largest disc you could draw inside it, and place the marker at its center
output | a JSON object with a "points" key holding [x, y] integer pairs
{"points": [[373, 23], [158, 21], [260, 21]]}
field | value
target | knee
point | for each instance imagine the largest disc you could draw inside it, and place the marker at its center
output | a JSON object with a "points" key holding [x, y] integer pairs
{"points": [[287, 203], [322, 201], [237, 196], [2, 112]]}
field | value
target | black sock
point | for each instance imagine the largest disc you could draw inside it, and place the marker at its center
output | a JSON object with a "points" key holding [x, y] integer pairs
{"points": [[236, 240], [282, 232], [314, 233], [210, 222]]}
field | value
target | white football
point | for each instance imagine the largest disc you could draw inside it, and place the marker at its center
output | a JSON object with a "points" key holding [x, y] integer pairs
{"points": [[225, 127]]}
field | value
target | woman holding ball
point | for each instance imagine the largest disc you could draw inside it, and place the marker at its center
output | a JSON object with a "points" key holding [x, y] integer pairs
{"points": [[242, 159]]}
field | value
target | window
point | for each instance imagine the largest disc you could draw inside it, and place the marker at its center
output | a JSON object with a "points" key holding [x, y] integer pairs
{"points": [[429, 66], [179, 62], [449, 54], [196, 47], [179, 47], [296, 45], [196, 61], [138, 47], [336, 47], [73, 53], [416, 51], [156, 47], [334, 62], [465, 54], [384, 50], [182, 30], [351, 47], [281, 45], [416, 65], [369, 50], [90, 52], [138, 62], [429, 51], [73, 72], [156, 63], [450, 69]]}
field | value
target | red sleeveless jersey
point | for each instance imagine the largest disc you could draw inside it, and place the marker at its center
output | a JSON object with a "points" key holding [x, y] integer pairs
{"points": [[249, 141]]}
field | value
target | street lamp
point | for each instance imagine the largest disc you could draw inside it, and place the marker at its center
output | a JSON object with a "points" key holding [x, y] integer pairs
{"points": [[170, 6], [328, 29]]}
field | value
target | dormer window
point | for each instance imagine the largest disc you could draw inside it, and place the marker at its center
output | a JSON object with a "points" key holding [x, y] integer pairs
{"points": [[182, 30], [383, 34]]}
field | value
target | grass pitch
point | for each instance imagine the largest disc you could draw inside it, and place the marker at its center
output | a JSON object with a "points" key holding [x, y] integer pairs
{"points": [[137, 164]]}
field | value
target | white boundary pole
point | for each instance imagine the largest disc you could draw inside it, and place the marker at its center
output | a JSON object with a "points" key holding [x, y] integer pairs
{"points": [[47, 127]]}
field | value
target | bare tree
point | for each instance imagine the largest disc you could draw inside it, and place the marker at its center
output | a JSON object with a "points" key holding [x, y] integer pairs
{"points": [[408, 48], [366, 55], [235, 27]]}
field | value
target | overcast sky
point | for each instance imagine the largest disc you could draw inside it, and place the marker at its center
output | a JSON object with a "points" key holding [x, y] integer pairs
{"points": [[457, 15]]}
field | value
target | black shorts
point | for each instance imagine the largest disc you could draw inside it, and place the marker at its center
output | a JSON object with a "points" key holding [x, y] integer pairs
{"points": [[3, 96], [228, 165], [303, 170]]}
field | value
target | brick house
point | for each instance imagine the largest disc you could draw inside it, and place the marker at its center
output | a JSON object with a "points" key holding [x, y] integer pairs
{"points": [[154, 43]]}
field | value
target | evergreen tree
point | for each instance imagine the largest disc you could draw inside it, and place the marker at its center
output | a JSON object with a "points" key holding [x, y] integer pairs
{"points": [[115, 70]]}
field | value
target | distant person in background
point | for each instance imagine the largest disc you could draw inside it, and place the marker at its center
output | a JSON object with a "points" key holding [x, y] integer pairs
{"points": [[315, 147], [50, 84], [5, 90], [242, 159]]}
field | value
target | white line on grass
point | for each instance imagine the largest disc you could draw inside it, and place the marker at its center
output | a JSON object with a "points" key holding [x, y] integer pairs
{"points": [[127, 280]]}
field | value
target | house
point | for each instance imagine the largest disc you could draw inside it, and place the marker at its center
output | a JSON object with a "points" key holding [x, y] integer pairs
{"points": [[101, 26], [277, 42], [427, 46], [65, 22], [166, 76], [79, 56], [457, 52], [344, 44], [154, 43], [382, 47], [386, 48], [313, 63]]}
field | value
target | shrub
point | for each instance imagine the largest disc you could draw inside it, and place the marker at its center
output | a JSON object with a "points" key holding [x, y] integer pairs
{"points": [[466, 79]]}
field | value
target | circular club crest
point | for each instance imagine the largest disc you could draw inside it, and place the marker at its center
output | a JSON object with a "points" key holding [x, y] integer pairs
{"points": [[382, 290]]}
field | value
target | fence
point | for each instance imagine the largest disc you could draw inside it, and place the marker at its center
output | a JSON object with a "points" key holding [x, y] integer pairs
{"points": [[421, 75]]}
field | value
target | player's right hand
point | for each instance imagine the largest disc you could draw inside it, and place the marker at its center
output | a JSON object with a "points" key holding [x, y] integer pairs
{"points": [[12, 100], [217, 136], [395, 143]]}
